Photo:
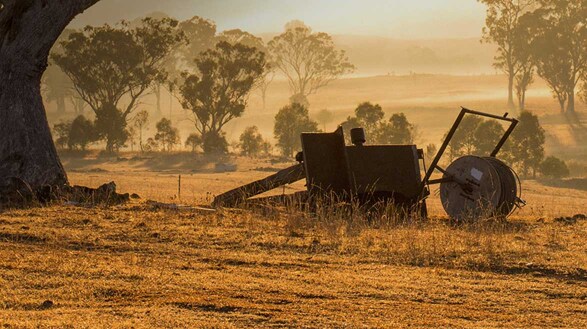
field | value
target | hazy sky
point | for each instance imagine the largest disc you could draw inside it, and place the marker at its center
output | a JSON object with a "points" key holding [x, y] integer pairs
{"points": [[389, 18]]}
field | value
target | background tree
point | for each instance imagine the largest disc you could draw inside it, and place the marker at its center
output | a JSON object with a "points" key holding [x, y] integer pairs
{"points": [[201, 36], [151, 145], [367, 116], [525, 148], [167, 135], [82, 133], [219, 92], [476, 136], [193, 141], [239, 36], [324, 117], [61, 132], [524, 55], [28, 30], [290, 122], [132, 137], [350, 123], [308, 60], [501, 28], [553, 167], [170, 63], [560, 47], [214, 142], [487, 136], [398, 130], [56, 84], [431, 150], [251, 141], [58, 87], [464, 139], [266, 148], [108, 63], [141, 120]]}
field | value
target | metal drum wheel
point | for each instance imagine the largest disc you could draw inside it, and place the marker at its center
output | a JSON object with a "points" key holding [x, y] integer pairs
{"points": [[478, 187]]}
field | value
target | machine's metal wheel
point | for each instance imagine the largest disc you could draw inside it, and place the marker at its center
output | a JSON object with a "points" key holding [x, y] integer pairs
{"points": [[477, 187]]}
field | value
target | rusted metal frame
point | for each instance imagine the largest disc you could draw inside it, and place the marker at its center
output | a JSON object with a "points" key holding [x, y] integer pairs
{"points": [[440, 181], [505, 137], [442, 149], [282, 177], [487, 115], [434, 165], [513, 123]]}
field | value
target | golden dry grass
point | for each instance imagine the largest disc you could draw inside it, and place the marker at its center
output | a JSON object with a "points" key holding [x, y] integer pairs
{"points": [[136, 266]]}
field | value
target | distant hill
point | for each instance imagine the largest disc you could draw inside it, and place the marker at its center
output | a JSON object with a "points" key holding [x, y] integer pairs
{"points": [[378, 55], [374, 55]]}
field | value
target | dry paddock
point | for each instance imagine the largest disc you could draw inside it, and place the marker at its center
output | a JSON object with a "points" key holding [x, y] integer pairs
{"points": [[141, 267]]}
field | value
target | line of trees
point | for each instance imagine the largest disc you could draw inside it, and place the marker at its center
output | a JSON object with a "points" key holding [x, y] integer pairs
{"points": [[547, 37], [111, 68], [107, 64]]}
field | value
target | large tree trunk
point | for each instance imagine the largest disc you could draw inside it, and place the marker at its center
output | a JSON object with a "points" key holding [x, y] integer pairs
{"points": [[28, 30]]}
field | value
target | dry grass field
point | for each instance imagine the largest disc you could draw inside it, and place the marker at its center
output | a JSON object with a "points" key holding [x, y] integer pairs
{"points": [[141, 266]]}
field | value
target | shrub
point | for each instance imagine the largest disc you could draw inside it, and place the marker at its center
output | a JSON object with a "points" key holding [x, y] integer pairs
{"points": [[82, 133], [61, 131], [167, 135], [553, 167], [251, 141], [193, 141], [290, 122], [214, 142]]}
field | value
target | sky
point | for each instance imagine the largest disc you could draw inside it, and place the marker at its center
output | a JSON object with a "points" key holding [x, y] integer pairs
{"points": [[402, 19]]}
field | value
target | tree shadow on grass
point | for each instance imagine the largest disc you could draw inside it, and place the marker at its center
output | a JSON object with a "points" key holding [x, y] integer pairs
{"points": [[537, 270], [571, 183]]}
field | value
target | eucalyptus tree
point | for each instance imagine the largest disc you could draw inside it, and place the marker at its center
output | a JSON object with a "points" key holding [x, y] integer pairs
{"points": [[309, 60], [218, 93], [112, 67], [28, 30]]}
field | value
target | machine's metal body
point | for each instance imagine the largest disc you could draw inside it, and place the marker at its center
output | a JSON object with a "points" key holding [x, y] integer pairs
{"points": [[371, 174]]}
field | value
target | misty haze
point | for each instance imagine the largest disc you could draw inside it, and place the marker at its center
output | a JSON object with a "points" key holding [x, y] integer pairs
{"points": [[274, 163]]}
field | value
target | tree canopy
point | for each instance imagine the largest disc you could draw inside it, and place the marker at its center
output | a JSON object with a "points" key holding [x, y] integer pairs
{"points": [[502, 27], [108, 63], [559, 45], [396, 130], [308, 60], [290, 122], [218, 93]]}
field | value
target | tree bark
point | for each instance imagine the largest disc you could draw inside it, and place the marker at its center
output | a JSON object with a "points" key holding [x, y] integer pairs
{"points": [[28, 30]]}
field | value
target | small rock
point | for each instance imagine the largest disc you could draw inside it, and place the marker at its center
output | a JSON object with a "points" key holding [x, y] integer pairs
{"points": [[46, 305], [135, 196], [580, 217]]}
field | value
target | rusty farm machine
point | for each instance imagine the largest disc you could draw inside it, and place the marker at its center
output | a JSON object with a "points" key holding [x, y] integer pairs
{"points": [[470, 187]]}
